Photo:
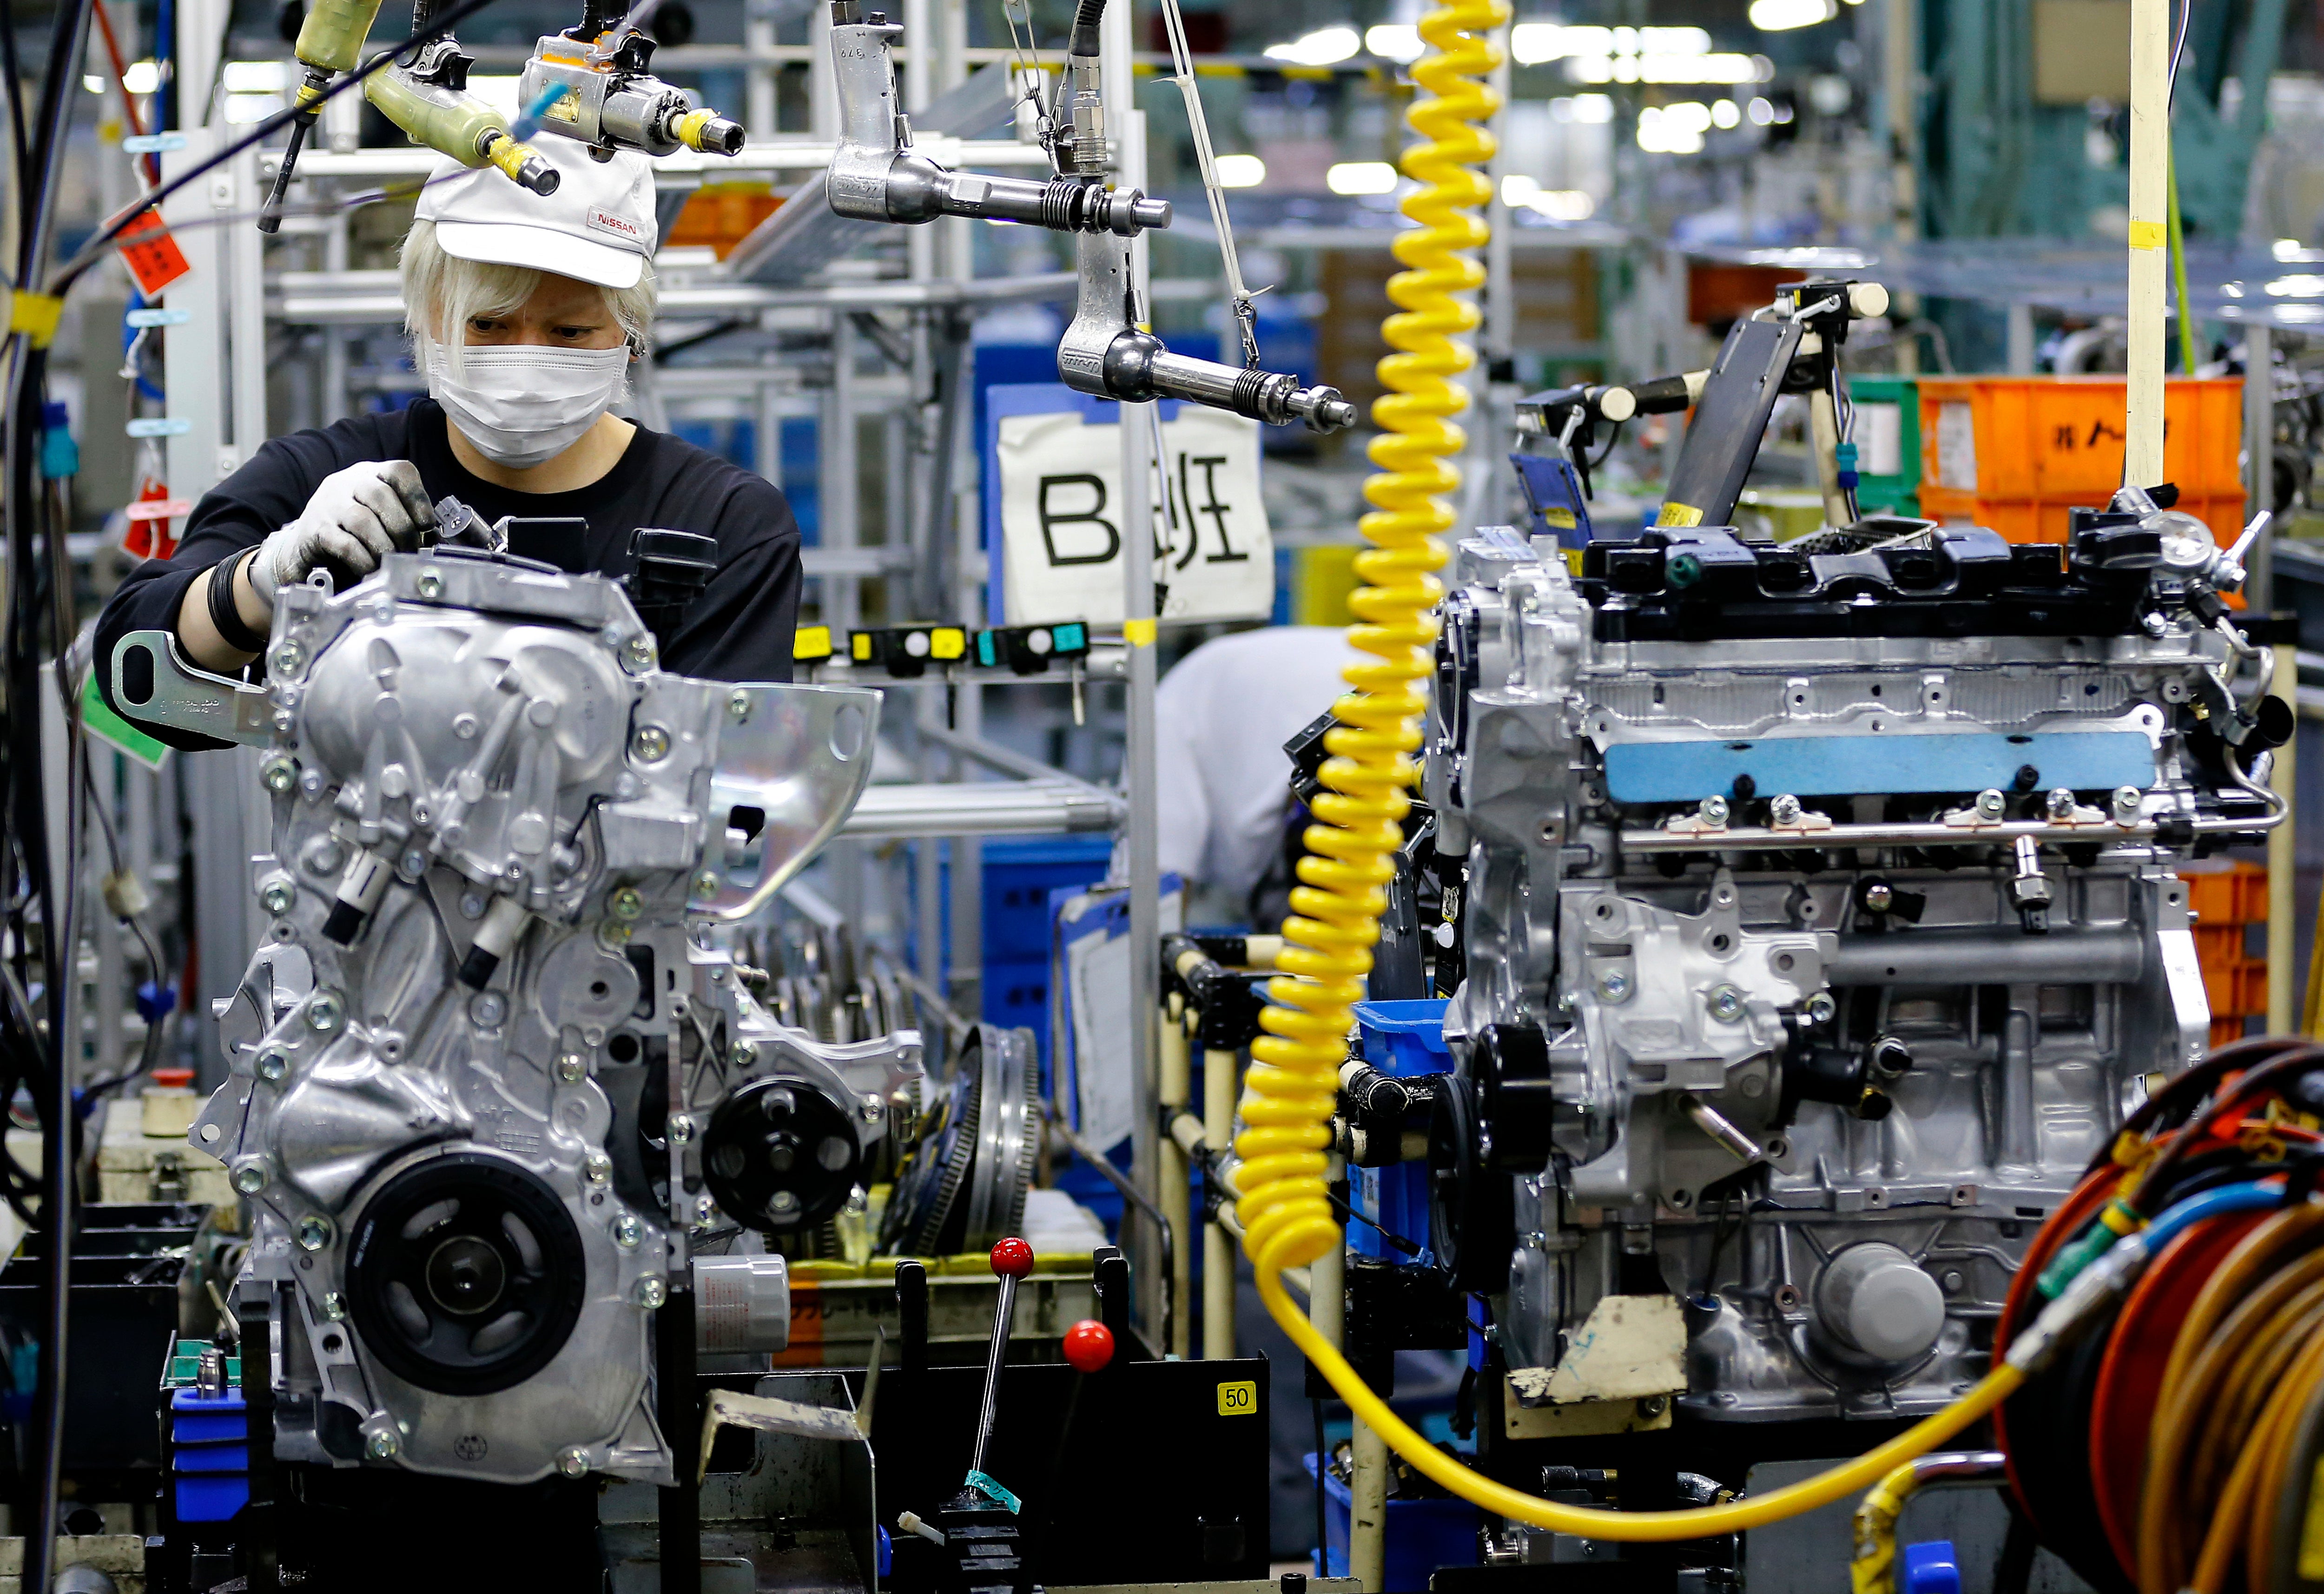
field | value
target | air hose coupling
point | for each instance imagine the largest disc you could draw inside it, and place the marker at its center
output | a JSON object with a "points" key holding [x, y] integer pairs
{"points": [[710, 132], [522, 162], [2093, 1288]]}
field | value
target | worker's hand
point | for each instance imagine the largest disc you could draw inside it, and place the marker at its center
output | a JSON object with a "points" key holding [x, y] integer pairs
{"points": [[356, 518]]}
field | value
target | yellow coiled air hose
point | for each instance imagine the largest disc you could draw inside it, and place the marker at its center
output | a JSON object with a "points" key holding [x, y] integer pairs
{"points": [[1289, 1093]]}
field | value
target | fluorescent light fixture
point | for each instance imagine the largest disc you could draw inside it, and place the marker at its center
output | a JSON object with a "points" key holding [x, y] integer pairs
{"points": [[242, 108], [254, 76], [144, 76], [1691, 115], [1240, 172], [1560, 204], [1361, 177], [1596, 108], [1725, 113], [1397, 41], [1532, 43], [1322, 48], [93, 83], [2299, 287], [1777, 17], [1711, 68], [1660, 133]]}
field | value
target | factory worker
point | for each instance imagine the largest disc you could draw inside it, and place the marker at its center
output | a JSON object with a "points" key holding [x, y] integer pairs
{"points": [[526, 314], [1223, 793]]}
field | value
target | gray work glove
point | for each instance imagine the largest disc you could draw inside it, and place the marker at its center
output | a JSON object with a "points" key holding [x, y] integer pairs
{"points": [[356, 518]]}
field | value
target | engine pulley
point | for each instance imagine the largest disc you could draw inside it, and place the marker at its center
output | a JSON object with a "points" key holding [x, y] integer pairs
{"points": [[464, 1274]]}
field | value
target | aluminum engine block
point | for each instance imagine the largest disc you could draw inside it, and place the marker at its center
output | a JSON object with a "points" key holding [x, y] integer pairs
{"points": [[492, 1065], [1817, 930]]}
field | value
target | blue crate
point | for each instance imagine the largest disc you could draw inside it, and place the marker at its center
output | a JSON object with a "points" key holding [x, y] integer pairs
{"points": [[212, 1458], [1018, 877], [1017, 994], [1400, 1039], [1422, 1535], [212, 1499], [1405, 1037], [197, 1419]]}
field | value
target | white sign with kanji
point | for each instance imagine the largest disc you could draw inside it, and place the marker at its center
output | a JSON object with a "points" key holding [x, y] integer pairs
{"points": [[1061, 526]]}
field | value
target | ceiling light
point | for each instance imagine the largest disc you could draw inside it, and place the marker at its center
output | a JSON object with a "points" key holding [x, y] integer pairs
{"points": [[144, 76], [1560, 204], [1395, 42], [1674, 41], [1593, 107], [1532, 43], [1322, 48], [1240, 172], [254, 76], [2300, 286], [1725, 113], [1662, 134], [1776, 16], [1361, 177]]}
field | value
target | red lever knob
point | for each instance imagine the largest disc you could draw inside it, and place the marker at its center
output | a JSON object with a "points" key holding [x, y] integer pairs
{"points": [[1088, 1345], [1013, 1259]]}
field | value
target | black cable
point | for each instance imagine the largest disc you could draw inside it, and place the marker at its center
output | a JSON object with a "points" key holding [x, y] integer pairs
{"points": [[40, 180], [112, 227], [1323, 1505], [17, 151]]}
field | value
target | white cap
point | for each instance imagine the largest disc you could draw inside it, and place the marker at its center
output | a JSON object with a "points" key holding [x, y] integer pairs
{"points": [[598, 227]]}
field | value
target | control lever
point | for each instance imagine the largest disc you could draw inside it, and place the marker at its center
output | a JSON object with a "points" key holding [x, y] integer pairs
{"points": [[876, 175], [981, 1531]]}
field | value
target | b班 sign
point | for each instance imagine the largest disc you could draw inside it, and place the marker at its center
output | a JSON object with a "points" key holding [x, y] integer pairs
{"points": [[1062, 526]]}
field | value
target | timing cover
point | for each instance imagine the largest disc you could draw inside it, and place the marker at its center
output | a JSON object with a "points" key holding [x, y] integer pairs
{"points": [[504, 844]]}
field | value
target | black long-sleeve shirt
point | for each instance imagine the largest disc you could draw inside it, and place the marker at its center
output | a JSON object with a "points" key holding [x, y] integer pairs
{"points": [[739, 630]]}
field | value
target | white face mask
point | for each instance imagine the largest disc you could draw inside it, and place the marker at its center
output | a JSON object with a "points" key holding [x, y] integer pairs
{"points": [[524, 404]]}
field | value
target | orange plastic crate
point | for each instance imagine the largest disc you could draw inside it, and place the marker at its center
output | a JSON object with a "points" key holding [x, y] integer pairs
{"points": [[2236, 895], [2015, 453], [2251, 988], [2236, 989], [2226, 1032], [2218, 945]]}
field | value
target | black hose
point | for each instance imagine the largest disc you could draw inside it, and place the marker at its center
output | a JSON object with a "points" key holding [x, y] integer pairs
{"points": [[1084, 40], [67, 45], [17, 151]]}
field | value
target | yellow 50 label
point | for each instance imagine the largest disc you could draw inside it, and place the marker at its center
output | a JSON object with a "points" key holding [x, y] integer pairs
{"points": [[1238, 1400]]}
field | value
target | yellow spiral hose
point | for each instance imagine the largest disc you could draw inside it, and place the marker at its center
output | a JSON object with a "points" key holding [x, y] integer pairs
{"points": [[1290, 1091]]}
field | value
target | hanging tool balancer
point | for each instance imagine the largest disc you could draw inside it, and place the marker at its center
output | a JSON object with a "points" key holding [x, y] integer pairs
{"points": [[877, 176], [589, 83]]}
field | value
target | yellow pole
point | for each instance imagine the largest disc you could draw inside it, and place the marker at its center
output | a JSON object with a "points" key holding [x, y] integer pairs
{"points": [[1219, 1087], [2150, 236]]}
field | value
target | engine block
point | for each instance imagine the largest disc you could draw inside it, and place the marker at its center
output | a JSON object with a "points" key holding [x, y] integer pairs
{"points": [[492, 1066], [1821, 918]]}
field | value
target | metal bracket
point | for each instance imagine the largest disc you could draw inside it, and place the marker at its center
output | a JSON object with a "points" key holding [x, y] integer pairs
{"points": [[153, 682]]}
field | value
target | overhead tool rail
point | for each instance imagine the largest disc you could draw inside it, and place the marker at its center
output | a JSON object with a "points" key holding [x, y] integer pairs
{"points": [[591, 82], [1108, 351]]}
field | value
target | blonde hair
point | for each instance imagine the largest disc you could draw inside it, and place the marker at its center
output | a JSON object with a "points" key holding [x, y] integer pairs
{"points": [[441, 290]]}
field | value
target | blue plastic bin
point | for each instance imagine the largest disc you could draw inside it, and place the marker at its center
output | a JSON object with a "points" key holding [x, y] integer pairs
{"points": [[1405, 1037], [1018, 877], [1422, 1535], [1400, 1039]]}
